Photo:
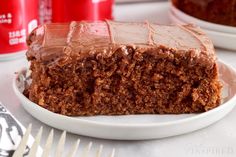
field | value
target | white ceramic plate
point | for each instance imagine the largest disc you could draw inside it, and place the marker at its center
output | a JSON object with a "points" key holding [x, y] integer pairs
{"points": [[134, 127], [204, 24], [220, 39]]}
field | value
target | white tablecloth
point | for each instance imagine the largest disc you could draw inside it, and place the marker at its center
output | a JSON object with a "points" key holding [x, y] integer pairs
{"points": [[216, 140]]}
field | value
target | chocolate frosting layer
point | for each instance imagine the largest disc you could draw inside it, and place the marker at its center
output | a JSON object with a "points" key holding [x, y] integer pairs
{"points": [[51, 41]]}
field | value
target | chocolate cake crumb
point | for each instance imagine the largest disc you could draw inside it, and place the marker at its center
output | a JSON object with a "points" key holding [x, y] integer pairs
{"points": [[80, 72]]}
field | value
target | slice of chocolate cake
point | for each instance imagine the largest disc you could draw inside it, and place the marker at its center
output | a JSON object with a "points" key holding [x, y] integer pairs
{"points": [[115, 68]]}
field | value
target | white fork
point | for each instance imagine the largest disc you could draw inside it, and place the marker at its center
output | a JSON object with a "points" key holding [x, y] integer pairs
{"points": [[59, 149]]}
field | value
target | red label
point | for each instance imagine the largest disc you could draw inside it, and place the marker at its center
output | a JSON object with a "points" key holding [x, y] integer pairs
{"points": [[77, 10], [17, 19]]}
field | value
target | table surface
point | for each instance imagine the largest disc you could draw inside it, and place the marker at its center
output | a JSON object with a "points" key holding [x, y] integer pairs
{"points": [[218, 139]]}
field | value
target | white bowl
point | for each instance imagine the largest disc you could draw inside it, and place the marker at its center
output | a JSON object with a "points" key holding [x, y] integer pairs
{"points": [[204, 24], [134, 127], [219, 39]]}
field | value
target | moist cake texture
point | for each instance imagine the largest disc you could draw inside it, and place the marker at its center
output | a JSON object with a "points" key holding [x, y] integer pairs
{"points": [[116, 68]]}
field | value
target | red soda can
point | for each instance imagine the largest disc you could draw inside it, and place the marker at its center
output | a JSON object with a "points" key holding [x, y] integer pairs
{"points": [[77, 10], [17, 19], [45, 11]]}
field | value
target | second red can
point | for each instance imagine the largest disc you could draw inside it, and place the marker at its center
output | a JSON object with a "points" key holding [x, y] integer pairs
{"points": [[77, 10], [17, 19]]}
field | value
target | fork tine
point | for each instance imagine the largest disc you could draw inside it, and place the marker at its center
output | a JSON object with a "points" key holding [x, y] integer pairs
{"points": [[36, 143], [87, 149], [74, 149], [99, 152], [60, 145], [112, 153], [21, 148], [48, 144]]}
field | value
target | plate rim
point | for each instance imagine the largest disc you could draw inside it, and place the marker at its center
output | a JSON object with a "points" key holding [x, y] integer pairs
{"points": [[129, 125], [202, 23], [12, 55], [206, 30], [214, 35]]}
